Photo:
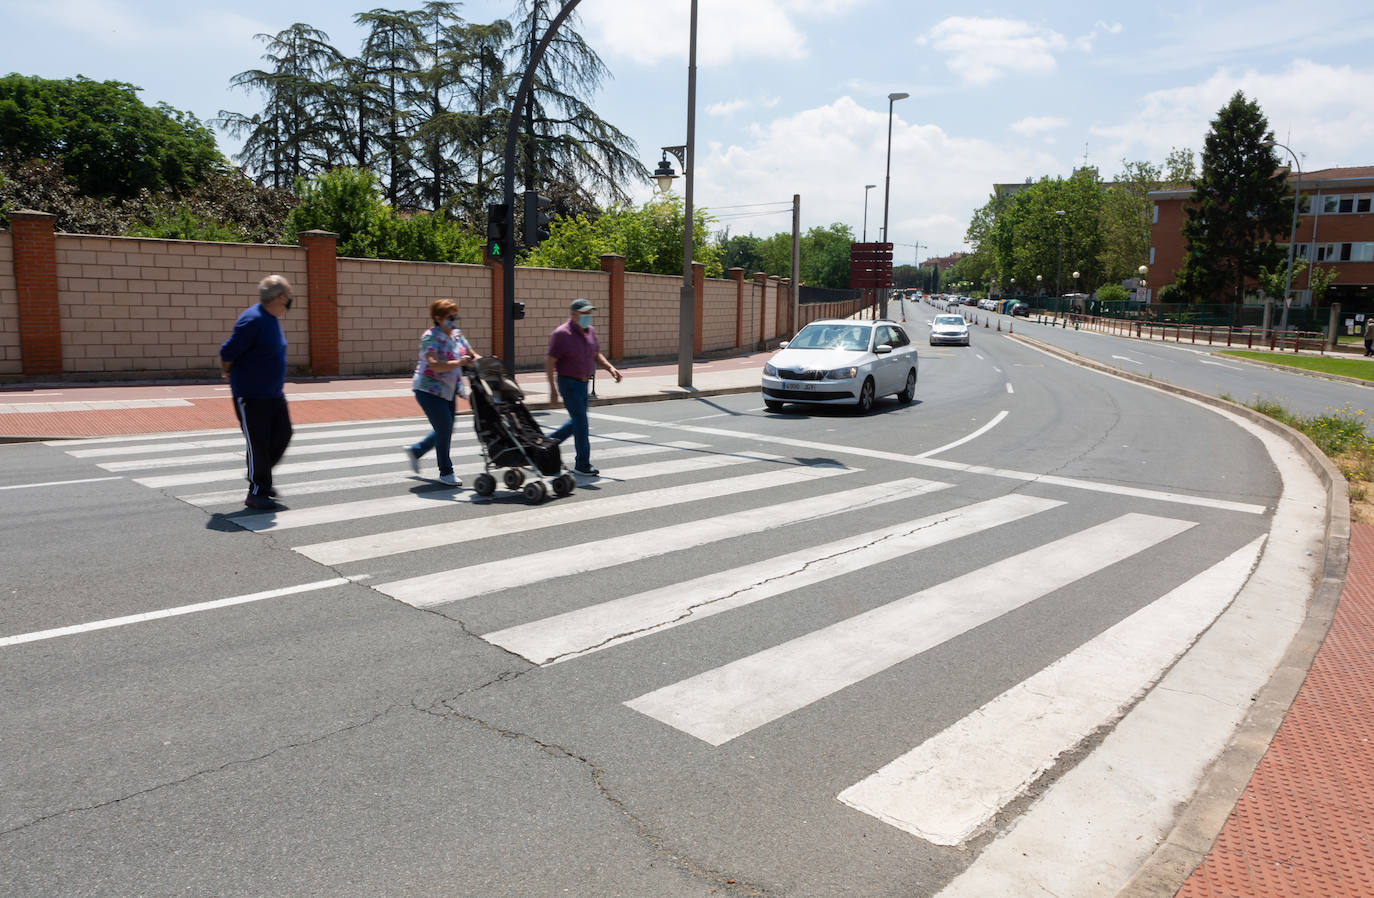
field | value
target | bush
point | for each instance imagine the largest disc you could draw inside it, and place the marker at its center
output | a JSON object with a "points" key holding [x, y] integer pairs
{"points": [[1112, 293]]}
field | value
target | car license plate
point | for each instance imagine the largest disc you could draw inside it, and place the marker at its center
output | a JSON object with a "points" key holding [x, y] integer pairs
{"points": [[806, 386]]}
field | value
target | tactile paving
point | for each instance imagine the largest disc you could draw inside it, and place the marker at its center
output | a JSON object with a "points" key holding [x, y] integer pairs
{"points": [[1304, 827]]}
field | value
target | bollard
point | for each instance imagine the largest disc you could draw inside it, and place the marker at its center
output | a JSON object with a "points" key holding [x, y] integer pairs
{"points": [[1011, 326], [999, 325]]}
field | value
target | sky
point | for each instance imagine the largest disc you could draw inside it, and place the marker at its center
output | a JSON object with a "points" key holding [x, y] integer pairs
{"points": [[792, 95]]}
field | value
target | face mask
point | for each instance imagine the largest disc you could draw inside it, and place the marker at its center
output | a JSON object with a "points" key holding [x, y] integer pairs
{"points": [[289, 300], [451, 322], [584, 321]]}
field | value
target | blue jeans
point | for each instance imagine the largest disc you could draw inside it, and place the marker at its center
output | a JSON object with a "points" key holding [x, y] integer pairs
{"points": [[574, 393], [440, 413]]}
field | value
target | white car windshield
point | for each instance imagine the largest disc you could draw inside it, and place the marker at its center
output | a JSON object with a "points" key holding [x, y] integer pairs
{"points": [[853, 337], [954, 320]]}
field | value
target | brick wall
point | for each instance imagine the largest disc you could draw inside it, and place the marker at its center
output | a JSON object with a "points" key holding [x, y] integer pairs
{"points": [[133, 304], [10, 362], [384, 307]]}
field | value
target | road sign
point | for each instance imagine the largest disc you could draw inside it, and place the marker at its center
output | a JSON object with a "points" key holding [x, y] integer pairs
{"points": [[870, 265]]}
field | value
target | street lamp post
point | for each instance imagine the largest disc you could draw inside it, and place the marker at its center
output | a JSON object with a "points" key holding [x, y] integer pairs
{"points": [[1059, 266], [867, 188], [1039, 283], [1142, 271], [1292, 233], [887, 184]]}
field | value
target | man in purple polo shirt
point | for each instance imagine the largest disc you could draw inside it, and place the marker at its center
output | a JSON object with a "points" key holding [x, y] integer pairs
{"points": [[573, 356]]}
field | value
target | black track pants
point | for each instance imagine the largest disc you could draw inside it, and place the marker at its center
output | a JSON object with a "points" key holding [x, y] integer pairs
{"points": [[266, 426]]}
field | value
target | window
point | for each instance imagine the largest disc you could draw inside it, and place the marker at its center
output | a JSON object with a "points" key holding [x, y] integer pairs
{"points": [[1362, 252], [1152, 255], [1326, 252], [1330, 204], [1347, 204], [1155, 213], [1303, 251], [1362, 202]]}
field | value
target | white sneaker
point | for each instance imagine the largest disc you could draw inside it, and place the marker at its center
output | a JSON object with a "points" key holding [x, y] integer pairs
{"points": [[450, 479], [412, 461]]}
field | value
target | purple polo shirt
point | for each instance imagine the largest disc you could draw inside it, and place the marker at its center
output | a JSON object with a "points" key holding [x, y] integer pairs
{"points": [[574, 350]]}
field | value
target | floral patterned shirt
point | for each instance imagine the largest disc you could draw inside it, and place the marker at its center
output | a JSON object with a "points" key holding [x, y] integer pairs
{"points": [[445, 347]]}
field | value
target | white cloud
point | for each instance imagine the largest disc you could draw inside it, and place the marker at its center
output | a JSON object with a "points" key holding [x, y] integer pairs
{"points": [[1309, 106], [727, 109], [828, 153], [123, 26], [981, 50], [1037, 124], [1084, 44]]}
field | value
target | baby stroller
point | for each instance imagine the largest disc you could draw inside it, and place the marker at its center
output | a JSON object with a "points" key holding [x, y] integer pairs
{"points": [[510, 437]]}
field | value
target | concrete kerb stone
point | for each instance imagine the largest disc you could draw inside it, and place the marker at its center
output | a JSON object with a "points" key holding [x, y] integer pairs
{"points": [[1200, 823]]}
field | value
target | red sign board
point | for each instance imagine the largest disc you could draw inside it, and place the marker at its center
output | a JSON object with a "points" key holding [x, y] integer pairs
{"points": [[870, 265]]}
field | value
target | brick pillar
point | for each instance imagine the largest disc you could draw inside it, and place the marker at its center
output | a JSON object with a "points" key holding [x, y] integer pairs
{"points": [[498, 298], [737, 275], [761, 282], [776, 283], [615, 298], [322, 292], [698, 302], [35, 276]]}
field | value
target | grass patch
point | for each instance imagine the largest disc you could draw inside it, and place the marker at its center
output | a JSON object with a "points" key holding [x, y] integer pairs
{"points": [[1360, 369], [1342, 437]]}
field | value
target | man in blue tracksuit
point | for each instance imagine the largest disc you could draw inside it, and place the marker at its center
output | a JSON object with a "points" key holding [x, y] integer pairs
{"points": [[254, 361]]}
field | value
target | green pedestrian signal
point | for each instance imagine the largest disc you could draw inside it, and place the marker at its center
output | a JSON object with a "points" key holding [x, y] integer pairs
{"points": [[498, 229]]}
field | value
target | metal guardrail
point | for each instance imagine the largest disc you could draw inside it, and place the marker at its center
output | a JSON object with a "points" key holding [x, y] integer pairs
{"points": [[1211, 335]]}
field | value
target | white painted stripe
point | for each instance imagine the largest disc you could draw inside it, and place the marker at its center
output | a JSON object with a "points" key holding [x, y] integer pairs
{"points": [[20, 408], [952, 784], [170, 612], [1009, 389], [186, 461], [598, 627], [395, 542], [444, 587], [182, 445], [28, 486], [292, 489], [442, 499], [721, 704], [1025, 476], [302, 467], [996, 419]]}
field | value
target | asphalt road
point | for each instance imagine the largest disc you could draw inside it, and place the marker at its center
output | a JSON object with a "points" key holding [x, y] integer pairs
{"points": [[697, 675]]}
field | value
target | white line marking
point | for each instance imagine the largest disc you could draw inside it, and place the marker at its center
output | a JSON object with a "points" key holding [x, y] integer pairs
{"points": [[1127, 359], [442, 499], [1050, 479], [1220, 365], [170, 612], [237, 440], [395, 542], [955, 782], [463, 583], [27, 486], [721, 704], [996, 419], [598, 627], [186, 461], [21, 408], [1009, 389]]}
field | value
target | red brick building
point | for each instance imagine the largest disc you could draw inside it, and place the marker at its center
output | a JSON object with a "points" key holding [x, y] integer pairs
{"points": [[1335, 229]]}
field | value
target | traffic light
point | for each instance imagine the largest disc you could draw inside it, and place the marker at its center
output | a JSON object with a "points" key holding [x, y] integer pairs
{"points": [[536, 218], [517, 311], [498, 230]]}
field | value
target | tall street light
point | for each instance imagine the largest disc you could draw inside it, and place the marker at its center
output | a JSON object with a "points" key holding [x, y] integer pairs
{"points": [[887, 187], [1292, 232], [1059, 266], [686, 324], [867, 188]]}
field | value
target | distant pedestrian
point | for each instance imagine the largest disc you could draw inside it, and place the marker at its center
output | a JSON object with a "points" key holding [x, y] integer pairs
{"points": [[1369, 336], [573, 356], [253, 360], [438, 383]]}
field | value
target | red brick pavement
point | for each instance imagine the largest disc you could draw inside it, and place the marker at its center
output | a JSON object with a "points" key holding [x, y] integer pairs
{"points": [[1304, 827]]}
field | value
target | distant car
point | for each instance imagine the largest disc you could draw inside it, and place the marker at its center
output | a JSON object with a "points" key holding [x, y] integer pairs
{"points": [[949, 330], [839, 361], [1019, 308]]}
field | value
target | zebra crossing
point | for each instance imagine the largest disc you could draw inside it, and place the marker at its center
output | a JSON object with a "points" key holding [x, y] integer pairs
{"points": [[854, 516]]}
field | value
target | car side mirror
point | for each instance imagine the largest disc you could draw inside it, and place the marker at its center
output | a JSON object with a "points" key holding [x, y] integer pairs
{"points": [[783, 344], [882, 349]]}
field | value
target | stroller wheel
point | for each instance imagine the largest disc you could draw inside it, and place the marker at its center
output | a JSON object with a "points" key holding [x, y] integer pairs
{"points": [[563, 485], [484, 484], [535, 492], [514, 477]]}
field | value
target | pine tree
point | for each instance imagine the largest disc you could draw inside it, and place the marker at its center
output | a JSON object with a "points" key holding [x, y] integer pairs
{"points": [[1241, 202]]}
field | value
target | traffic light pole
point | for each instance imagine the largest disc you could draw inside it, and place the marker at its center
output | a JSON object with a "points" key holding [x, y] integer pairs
{"points": [[508, 190]]}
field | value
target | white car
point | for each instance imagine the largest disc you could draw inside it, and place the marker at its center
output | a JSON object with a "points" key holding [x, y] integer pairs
{"points": [[839, 361], [949, 329]]}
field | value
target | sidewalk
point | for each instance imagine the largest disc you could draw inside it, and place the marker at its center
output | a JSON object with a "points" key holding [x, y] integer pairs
{"points": [[1304, 825]]}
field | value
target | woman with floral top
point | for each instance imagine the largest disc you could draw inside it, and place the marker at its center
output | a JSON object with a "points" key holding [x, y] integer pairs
{"points": [[443, 350]]}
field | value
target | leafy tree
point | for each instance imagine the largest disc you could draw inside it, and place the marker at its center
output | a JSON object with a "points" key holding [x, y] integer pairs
{"points": [[291, 137], [1112, 293], [109, 142], [649, 237], [1238, 206], [43, 185], [389, 57], [565, 142], [1319, 282], [345, 201], [740, 251], [484, 84], [223, 207], [1272, 280]]}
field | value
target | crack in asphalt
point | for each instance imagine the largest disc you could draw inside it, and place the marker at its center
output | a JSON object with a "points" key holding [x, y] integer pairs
{"points": [[691, 610], [237, 762], [720, 880]]}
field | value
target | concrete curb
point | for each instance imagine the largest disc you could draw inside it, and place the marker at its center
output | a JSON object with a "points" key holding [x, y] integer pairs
{"points": [[1200, 823]]}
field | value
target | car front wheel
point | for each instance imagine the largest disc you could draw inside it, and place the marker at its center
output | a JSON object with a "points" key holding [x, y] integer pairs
{"points": [[866, 396], [772, 405]]}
